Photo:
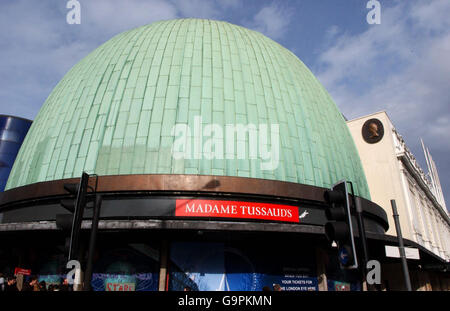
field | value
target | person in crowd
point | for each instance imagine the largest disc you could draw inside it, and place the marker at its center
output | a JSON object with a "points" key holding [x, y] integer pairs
{"points": [[26, 287], [66, 287], [266, 289], [277, 288], [187, 289], [43, 286], [34, 284], [11, 285]]}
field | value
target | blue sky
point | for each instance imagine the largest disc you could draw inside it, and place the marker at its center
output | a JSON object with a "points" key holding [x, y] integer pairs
{"points": [[401, 66]]}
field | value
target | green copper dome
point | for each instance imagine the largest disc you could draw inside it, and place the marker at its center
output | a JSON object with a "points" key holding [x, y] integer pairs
{"points": [[114, 112]]}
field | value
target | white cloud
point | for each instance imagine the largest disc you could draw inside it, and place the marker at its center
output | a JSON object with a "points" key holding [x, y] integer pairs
{"points": [[431, 15], [332, 32], [272, 20], [110, 17], [441, 127]]}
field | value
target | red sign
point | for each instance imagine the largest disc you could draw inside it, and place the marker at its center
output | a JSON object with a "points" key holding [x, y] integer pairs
{"points": [[341, 287], [236, 209], [120, 287], [22, 271]]}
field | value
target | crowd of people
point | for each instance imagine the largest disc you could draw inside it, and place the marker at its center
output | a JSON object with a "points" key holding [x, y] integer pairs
{"points": [[32, 284]]}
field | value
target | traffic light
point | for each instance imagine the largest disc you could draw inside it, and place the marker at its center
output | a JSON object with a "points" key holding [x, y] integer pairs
{"points": [[72, 222], [339, 226]]}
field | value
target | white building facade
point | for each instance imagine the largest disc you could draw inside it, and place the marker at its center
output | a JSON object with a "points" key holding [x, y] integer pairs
{"points": [[393, 172]]}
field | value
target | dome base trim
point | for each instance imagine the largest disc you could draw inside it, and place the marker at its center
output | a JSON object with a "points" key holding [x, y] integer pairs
{"points": [[147, 186]]}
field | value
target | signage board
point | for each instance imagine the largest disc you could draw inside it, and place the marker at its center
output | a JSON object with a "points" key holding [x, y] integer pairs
{"points": [[410, 252], [165, 206], [120, 287], [236, 209], [22, 271], [342, 286]]}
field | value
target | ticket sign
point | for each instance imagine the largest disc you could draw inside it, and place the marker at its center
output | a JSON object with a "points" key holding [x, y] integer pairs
{"points": [[236, 209], [120, 287], [22, 271]]}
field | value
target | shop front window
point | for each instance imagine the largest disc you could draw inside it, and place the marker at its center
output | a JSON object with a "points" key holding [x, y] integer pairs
{"points": [[205, 266], [132, 267]]}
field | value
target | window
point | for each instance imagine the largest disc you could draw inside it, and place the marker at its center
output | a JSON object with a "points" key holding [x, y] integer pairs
{"points": [[240, 266], [126, 267]]}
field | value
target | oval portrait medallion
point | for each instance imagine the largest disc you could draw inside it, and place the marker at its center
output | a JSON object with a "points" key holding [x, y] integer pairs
{"points": [[373, 131]]}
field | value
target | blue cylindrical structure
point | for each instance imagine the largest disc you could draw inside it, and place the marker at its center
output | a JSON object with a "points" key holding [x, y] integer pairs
{"points": [[12, 133]]}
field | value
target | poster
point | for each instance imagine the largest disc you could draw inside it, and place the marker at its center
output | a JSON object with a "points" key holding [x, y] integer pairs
{"points": [[134, 268], [239, 267]]}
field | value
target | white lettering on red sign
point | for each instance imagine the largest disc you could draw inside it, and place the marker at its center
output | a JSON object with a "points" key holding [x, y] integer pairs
{"points": [[236, 209]]}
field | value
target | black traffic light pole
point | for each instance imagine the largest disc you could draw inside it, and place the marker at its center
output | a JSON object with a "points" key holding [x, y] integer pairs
{"points": [[77, 209], [92, 242], [362, 232], [401, 247], [78, 214]]}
